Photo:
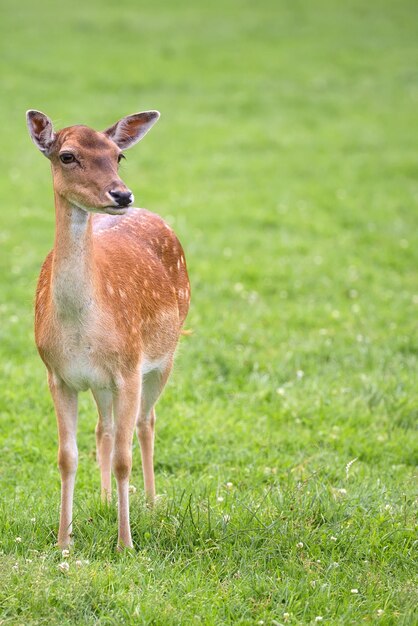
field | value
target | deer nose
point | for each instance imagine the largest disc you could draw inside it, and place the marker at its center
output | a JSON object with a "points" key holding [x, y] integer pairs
{"points": [[123, 198]]}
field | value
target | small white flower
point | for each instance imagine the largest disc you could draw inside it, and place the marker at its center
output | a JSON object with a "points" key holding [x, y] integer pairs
{"points": [[132, 489], [354, 591], [300, 374], [342, 491], [18, 539], [261, 622], [281, 391], [65, 554], [33, 520], [380, 612], [64, 566], [220, 499], [299, 544], [229, 485], [348, 466], [333, 538], [318, 618], [286, 616], [28, 560], [226, 518]]}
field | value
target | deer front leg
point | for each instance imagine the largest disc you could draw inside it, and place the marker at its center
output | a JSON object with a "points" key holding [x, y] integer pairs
{"points": [[65, 401], [126, 405]]}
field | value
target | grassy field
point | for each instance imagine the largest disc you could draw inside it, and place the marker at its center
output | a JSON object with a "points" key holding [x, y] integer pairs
{"points": [[286, 450]]}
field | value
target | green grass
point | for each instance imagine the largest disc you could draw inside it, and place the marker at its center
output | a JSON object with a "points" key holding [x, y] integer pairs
{"points": [[285, 159]]}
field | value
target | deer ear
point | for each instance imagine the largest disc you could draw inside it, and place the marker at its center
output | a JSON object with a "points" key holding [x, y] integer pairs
{"points": [[41, 130], [129, 130]]}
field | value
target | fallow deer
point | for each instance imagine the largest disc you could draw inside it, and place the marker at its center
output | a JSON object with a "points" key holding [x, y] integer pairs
{"points": [[111, 300]]}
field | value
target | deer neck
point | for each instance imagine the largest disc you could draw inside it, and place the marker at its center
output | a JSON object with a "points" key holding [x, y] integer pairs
{"points": [[73, 261]]}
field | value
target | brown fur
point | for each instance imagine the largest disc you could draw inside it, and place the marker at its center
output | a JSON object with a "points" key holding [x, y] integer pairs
{"points": [[139, 274]]}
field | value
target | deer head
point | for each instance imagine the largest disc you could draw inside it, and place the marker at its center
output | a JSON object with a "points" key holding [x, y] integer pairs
{"points": [[85, 162]]}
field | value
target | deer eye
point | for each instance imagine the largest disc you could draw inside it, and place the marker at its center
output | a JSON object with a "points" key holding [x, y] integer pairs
{"points": [[120, 157], [67, 157]]}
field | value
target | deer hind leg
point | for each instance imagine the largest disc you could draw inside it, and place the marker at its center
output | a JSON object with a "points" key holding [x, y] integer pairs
{"points": [[152, 385], [65, 401], [126, 402], [104, 440]]}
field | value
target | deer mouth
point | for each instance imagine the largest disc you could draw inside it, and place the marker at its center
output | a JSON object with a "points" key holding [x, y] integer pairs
{"points": [[113, 209]]}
